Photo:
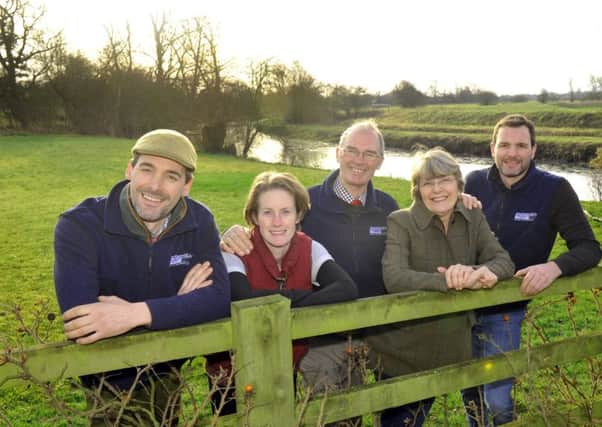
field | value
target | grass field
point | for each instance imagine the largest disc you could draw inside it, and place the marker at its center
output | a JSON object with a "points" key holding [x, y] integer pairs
{"points": [[555, 115], [41, 176]]}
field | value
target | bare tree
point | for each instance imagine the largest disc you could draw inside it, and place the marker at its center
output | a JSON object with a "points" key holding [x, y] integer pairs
{"points": [[279, 79], [22, 46], [200, 73], [433, 90], [259, 74], [117, 54], [305, 103], [348, 99], [596, 87], [164, 37], [191, 54], [115, 62]]}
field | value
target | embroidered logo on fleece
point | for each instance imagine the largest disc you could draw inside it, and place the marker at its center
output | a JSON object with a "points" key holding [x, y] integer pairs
{"points": [[180, 259], [525, 216], [377, 230]]}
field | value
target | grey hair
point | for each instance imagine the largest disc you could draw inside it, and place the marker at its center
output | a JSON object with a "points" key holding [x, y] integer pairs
{"points": [[364, 126], [434, 163]]}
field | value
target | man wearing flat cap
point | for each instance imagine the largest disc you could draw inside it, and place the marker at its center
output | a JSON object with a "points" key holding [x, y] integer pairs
{"points": [[145, 257]]}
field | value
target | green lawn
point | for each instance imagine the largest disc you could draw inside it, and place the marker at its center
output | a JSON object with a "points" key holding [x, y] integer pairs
{"points": [[41, 176]]}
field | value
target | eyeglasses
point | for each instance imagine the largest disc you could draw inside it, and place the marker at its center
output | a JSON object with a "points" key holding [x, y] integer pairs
{"points": [[446, 181], [354, 153]]}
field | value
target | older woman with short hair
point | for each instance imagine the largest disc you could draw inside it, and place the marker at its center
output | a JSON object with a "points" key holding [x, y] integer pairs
{"points": [[434, 245]]}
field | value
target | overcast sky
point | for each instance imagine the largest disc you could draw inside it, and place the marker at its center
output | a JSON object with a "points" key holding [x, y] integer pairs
{"points": [[509, 47]]}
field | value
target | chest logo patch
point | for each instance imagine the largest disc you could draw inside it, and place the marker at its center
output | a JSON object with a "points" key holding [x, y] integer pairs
{"points": [[377, 230], [525, 216], [180, 259]]}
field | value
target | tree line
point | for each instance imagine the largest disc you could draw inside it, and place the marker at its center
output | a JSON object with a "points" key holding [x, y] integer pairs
{"points": [[185, 85]]}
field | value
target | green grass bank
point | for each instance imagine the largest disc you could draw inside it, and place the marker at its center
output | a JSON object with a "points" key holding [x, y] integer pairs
{"points": [[566, 132]]}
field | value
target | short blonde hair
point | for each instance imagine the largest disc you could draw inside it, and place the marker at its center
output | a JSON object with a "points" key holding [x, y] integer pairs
{"points": [[267, 181], [434, 163]]}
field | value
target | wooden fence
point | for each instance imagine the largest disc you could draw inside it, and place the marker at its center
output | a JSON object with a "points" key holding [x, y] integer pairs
{"points": [[260, 332]]}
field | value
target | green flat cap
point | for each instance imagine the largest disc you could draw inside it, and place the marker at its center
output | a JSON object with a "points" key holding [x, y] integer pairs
{"points": [[169, 144]]}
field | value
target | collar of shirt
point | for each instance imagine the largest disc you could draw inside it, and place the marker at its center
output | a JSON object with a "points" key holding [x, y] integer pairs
{"points": [[156, 233], [423, 216], [136, 225], [342, 193]]}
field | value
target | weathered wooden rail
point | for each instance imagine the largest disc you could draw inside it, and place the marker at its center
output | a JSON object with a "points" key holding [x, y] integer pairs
{"points": [[260, 332]]}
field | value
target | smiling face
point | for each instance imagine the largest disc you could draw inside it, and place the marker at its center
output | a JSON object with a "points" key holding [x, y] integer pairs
{"points": [[359, 158], [277, 219], [156, 186], [512, 153], [440, 195]]}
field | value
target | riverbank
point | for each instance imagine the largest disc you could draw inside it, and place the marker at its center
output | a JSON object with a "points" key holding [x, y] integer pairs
{"points": [[569, 134], [398, 163]]}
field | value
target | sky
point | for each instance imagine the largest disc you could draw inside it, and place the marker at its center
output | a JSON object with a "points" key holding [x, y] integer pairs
{"points": [[509, 47]]}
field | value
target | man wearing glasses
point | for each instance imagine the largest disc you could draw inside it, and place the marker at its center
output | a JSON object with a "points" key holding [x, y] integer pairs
{"points": [[348, 215]]}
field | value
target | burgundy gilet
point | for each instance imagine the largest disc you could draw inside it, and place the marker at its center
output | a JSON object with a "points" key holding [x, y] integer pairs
{"points": [[263, 273]]}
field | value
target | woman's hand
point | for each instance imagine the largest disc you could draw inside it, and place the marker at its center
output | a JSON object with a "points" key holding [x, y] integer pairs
{"points": [[456, 276], [459, 276], [482, 277]]}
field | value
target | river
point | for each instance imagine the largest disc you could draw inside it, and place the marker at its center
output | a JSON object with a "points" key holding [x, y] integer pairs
{"points": [[397, 163]]}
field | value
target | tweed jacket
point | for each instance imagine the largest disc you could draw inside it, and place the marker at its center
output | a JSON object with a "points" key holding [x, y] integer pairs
{"points": [[416, 245]]}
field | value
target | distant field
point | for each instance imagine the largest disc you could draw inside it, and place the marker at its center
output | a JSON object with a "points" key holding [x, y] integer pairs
{"points": [[565, 132], [557, 115], [41, 176]]}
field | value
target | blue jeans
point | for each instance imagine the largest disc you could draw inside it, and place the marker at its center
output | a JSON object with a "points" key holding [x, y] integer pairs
{"points": [[409, 415], [493, 333]]}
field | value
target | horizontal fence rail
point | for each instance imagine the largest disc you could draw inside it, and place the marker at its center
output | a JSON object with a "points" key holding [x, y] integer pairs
{"points": [[319, 320], [410, 388], [260, 332]]}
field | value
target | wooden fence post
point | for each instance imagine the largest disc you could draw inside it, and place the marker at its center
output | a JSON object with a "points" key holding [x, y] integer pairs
{"points": [[261, 335]]}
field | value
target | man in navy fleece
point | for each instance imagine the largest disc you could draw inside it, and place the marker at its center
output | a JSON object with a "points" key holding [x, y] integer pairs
{"points": [[526, 208], [144, 257]]}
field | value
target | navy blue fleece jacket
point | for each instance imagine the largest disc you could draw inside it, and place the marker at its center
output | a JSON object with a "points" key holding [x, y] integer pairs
{"points": [[354, 235], [96, 254], [527, 217]]}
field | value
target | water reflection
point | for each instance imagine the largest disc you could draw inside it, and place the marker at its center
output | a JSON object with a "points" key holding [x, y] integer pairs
{"points": [[397, 163]]}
